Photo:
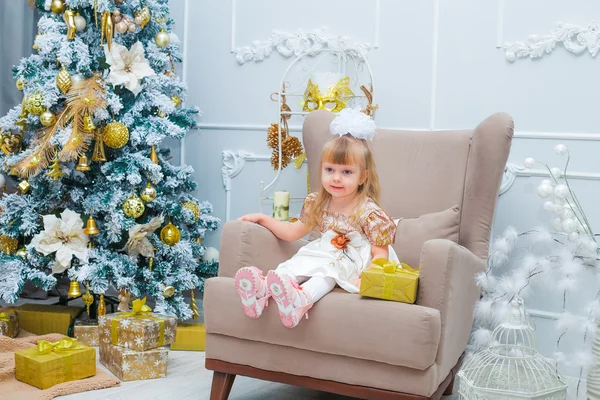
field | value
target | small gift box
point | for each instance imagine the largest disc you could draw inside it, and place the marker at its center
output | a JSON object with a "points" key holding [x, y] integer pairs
{"points": [[49, 364], [132, 365], [140, 329], [388, 280], [86, 332], [42, 319], [9, 323], [190, 336]]}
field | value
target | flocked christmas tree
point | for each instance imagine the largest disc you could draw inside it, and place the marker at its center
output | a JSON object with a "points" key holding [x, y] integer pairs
{"points": [[98, 200]]}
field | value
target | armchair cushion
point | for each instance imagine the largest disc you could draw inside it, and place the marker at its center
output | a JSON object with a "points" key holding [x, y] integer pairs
{"points": [[339, 324], [412, 233]]}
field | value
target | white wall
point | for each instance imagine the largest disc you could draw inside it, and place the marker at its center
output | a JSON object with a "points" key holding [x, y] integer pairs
{"points": [[437, 66]]}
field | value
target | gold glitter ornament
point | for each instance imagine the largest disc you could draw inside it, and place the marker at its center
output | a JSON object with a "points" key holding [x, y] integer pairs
{"points": [[133, 206], [193, 207], [33, 103], [8, 244], [148, 194], [47, 118], [170, 235], [116, 135]]}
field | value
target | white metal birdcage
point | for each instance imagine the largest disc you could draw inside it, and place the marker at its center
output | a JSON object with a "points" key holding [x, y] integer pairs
{"points": [[511, 367]]}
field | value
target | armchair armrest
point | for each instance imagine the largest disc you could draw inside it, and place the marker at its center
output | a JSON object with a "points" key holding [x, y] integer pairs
{"points": [[447, 283], [248, 244]]}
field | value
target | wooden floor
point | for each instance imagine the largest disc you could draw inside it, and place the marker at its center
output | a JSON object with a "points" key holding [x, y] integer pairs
{"points": [[187, 379]]}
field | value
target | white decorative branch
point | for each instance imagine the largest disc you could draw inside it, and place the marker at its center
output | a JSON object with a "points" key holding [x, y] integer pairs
{"points": [[295, 44], [574, 38], [510, 174]]}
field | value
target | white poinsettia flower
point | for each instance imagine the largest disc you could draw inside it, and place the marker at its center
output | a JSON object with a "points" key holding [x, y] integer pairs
{"points": [[63, 236], [128, 67]]}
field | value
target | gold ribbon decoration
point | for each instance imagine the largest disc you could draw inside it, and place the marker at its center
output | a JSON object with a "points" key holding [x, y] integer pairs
{"points": [[5, 316], [62, 346], [389, 269], [141, 311], [333, 99]]}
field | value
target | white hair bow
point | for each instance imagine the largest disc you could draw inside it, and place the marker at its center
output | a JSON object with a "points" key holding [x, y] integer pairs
{"points": [[354, 122]]}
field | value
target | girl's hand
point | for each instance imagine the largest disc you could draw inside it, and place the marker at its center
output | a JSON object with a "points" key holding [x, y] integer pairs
{"points": [[256, 218]]}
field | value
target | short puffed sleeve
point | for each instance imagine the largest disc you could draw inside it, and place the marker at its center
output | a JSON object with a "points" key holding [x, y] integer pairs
{"points": [[308, 202], [379, 228]]}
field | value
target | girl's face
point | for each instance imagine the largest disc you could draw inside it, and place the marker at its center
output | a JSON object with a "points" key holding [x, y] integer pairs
{"points": [[341, 180]]}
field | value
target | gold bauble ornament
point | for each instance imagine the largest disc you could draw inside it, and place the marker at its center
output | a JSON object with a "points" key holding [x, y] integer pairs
{"points": [[121, 26], [20, 84], [33, 103], [116, 135], [142, 17], [58, 6], [162, 39], [133, 206], [193, 207], [64, 80], [148, 194], [22, 252], [8, 244], [47, 118], [168, 292], [170, 235]]}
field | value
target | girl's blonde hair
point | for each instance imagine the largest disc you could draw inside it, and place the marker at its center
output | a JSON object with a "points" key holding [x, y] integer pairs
{"points": [[346, 150]]}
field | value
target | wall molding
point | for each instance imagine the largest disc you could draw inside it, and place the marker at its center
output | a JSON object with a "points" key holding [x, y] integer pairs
{"points": [[518, 135], [513, 171]]}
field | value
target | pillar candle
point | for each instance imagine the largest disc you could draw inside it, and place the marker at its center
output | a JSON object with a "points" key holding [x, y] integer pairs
{"points": [[281, 205]]}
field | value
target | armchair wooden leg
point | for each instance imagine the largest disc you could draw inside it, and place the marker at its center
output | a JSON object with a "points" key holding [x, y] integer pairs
{"points": [[450, 387], [221, 385]]}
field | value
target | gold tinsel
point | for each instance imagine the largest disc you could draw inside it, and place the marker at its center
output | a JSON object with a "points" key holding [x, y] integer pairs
{"points": [[285, 159], [291, 146], [82, 98], [273, 136]]}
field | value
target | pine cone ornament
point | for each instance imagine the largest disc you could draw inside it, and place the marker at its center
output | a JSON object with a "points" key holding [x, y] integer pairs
{"points": [[285, 159], [291, 146], [273, 136]]}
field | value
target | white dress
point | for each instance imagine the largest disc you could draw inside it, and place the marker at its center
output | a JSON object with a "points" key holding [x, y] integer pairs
{"points": [[344, 249]]}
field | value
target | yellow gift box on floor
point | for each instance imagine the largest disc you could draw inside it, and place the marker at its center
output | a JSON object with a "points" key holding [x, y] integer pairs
{"points": [[190, 336], [132, 365], [9, 322], [387, 280], [49, 364], [42, 319]]}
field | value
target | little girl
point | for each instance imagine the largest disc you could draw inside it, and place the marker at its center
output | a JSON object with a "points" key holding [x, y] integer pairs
{"points": [[354, 229]]}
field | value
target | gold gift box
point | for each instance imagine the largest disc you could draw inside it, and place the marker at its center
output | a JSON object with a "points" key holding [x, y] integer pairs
{"points": [[86, 334], [190, 336], [387, 280], [42, 319], [132, 365], [60, 364], [138, 332], [9, 322]]}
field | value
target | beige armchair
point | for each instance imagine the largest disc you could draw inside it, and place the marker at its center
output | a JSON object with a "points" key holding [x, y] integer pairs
{"points": [[360, 347]]}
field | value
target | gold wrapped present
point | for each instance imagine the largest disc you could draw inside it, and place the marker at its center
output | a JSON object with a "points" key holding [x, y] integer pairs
{"points": [[132, 365], [190, 336], [140, 329], [86, 334], [389, 281], [49, 364], [42, 319], [9, 323]]}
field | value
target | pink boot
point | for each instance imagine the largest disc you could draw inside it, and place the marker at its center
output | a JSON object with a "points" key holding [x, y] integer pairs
{"points": [[252, 288], [285, 291]]}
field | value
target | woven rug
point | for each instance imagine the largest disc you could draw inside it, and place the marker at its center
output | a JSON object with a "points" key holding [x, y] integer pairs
{"points": [[11, 388]]}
